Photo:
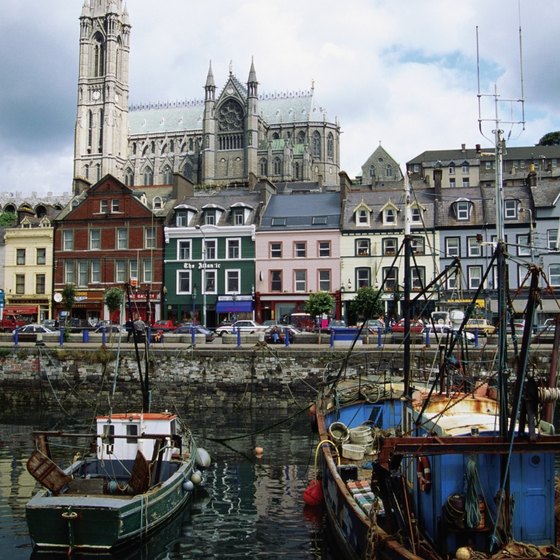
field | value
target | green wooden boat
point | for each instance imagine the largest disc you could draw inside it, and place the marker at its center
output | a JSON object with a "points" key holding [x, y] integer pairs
{"points": [[142, 469]]}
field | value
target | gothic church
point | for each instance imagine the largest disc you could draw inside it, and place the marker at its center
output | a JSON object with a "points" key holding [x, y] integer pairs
{"points": [[232, 136]]}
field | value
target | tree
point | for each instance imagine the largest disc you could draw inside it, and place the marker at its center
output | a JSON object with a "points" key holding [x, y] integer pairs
{"points": [[550, 139], [113, 300], [68, 298], [367, 304], [319, 303], [7, 219]]}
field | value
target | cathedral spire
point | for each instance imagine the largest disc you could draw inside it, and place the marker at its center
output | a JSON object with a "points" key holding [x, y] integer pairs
{"points": [[210, 87], [252, 81]]}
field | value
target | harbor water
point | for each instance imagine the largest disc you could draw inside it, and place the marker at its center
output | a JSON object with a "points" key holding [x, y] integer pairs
{"points": [[249, 506]]}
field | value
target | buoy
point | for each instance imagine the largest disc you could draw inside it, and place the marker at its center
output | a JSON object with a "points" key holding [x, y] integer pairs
{"points": [[259, 451], [202, 458], [196, 477], [188, 486], [463, 553], [313, 494]]}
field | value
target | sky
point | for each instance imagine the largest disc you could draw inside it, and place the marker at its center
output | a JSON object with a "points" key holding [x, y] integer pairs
{"points": [[402, 73]]}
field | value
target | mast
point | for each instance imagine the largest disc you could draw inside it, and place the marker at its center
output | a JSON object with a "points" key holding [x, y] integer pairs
{"points": [[407, 285]]}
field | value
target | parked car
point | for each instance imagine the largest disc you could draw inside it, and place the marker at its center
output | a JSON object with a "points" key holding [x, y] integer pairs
{"points": [[243, 325], [337, 324], [373, 325], [165, 325], [110, 329], [445, 332], [483, 326], [186, 328], [34, 328], [416, 326], [546, 327], [277, 334]]}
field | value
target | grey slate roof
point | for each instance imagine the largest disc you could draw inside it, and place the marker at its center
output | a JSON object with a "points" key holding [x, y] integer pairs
{"points": [[298, 211]]}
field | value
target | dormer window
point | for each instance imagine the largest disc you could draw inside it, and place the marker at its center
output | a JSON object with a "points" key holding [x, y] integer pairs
{"points": [[210, 217], [389, 214], [451, 168], [362, 217], [157, 203], [181, 219], [238, 217], [466, 167], [510, 209], [462, 209]]}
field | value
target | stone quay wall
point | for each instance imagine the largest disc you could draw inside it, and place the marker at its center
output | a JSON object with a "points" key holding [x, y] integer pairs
{"points": [[258, 376]]}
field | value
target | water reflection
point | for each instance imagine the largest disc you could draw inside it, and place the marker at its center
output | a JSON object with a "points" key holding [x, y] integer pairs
{"points": [[250, 507]]}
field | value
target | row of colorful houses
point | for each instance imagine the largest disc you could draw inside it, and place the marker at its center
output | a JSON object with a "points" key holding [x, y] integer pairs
{"points": [[259, 250]]}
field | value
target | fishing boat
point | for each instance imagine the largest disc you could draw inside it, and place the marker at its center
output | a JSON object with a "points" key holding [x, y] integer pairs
{"points": [[137, 473], [459, 466]]}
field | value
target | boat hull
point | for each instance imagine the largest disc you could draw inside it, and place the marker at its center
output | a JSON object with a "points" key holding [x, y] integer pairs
{"points": [[103, 522]]}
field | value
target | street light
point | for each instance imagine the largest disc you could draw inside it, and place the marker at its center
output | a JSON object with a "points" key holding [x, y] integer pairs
{"points": [[194, 293], [203, 274], [531, 246]]}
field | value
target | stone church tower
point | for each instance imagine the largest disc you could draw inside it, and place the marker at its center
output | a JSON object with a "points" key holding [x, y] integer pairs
{"points": [[101, 135]]}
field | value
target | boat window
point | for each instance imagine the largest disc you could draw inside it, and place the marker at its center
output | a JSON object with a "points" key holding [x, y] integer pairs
{"points": [[376, 416], [131, 430]]}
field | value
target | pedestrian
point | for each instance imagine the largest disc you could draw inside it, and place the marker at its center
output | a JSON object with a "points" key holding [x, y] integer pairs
{"points": [[129, 326], [139, 328]]}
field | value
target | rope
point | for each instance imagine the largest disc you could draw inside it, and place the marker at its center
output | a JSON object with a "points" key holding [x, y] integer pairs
{"points": [[472, 504]]}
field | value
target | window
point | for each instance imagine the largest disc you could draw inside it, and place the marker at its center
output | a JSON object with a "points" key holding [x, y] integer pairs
{"points": [[94, 239], [316, 145], [523, 246], [263, 165], [451, 168], [474, 277], [275, 250], [122, 238], [20, 284], [120, 272], [277, 166], [132, 430], [150, 237], [275, 280], [238, 217], [147, 270], [390, 277], [324, 248], [452, 282], [69, 272], [41, 256], [20, 256], [489, 165], [67, 240], [465, 168], [300, 280], [452, 247], [95, 271], [300, 249], [148, 176], [181, 219], [210, 217], [40, 284], [167, 175], [362, 217], [474, 247], [552, 239], [418, 278], [319, 220], [417, 244], [209, 280], [278, 222], [362, 247], [184, 282], [115, 205], [233, 248], [83, 273], [462, 209], [389, 246], [465, 183], [452, 183], [510, 209], [184, 250], [554, 274], [233, 281], [416, 215], [324, 280], [209, 248], [103, 206], [389, 216], [157, 203], [363, 277]]}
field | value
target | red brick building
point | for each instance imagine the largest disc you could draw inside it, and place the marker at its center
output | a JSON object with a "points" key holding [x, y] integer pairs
{"points": [[108, 235]]}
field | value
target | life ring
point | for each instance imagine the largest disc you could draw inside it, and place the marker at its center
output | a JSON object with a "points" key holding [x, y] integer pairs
{"points": [[424, 473]]}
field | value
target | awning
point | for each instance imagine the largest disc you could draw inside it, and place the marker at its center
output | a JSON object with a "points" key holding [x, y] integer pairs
{"points": [[20, 310], [234, 306]]}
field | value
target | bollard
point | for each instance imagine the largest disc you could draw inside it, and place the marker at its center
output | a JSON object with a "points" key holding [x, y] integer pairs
{"points": [[332, 339], [379, 337], [238, 338], [85, 335], [287, 337], [476, 338], [193, 337], [148, 336], [16, 337], [61, 337], [103, 335], [428, 330]]}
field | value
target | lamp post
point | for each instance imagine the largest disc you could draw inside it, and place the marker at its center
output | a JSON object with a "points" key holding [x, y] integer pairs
{"points": [[531, 245], [203, 274], [194, 293]]}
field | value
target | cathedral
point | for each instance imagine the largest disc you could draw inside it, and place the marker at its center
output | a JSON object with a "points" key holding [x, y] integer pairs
{"points": [[232, 136]]}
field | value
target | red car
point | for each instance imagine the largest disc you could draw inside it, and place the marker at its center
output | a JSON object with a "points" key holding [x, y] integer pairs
{"points": [[165, 325], [416, 326]]}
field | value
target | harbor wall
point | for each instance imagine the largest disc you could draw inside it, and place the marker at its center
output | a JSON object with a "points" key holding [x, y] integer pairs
{"points": [[258, 376]]}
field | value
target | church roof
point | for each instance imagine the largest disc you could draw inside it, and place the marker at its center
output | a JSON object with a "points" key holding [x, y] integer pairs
{"points": [[274, 108]]}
